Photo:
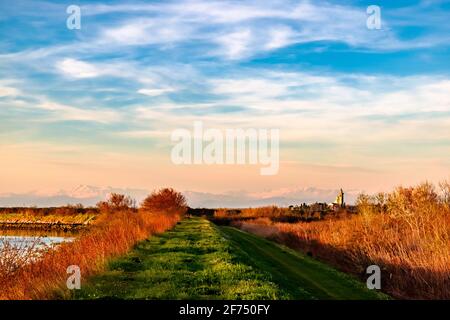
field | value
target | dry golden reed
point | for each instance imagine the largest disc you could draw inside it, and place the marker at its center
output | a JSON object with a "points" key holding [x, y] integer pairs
{"points": [[114, 235], [405, 232]]}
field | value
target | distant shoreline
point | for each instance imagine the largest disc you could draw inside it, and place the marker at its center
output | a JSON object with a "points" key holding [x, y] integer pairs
{"points": [[42, 226]]}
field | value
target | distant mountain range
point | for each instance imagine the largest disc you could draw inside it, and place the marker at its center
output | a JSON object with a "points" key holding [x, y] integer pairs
{"points": [[90, 195], [84, 194]]}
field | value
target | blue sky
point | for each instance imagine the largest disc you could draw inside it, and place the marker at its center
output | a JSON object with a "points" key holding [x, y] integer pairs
{"points": [[358, 108]]}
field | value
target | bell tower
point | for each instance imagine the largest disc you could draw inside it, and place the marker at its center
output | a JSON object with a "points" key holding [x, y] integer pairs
{"points": [[340, 199]]}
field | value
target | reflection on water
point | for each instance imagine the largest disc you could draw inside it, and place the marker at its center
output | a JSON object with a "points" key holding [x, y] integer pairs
{"points": [[34, 238]]}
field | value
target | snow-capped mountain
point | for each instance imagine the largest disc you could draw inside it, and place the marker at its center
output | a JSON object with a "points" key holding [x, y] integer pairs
{"points": [[89, 195], [84, 194], [280, 197]]}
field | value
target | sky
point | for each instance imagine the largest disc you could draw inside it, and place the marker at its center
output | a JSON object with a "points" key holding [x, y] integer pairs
{"points": [[357, 108]]}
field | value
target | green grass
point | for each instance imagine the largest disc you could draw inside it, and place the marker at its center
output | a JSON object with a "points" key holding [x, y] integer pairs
{"points": [[302, 276], [192, 261], [198, 260]]}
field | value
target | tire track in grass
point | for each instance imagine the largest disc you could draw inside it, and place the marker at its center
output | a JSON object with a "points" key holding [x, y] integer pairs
{"points": [[290, 269]]}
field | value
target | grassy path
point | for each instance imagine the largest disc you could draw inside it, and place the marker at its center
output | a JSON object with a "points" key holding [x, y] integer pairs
{"points": [[293, 270], [191, 261], [198, 260]]}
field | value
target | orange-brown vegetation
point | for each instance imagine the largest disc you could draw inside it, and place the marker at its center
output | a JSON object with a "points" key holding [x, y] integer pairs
{"points": [[405, 232], [164, 200], [70, 214], [64, 210], [113, 235], [116, 203], [268, 211], [271, 213]]}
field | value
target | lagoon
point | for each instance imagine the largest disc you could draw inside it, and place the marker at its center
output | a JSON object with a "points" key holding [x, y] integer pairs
{"points": [[38, 239]]}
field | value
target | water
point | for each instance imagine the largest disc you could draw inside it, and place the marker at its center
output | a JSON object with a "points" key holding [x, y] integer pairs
{"points": [[36, 239]]}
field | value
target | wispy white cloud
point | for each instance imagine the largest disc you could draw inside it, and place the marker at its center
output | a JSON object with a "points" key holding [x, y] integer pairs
{"points": [[242, 29], [143, 32], [236, 30], [260, 87], [77, 69], [280, 37], [62, 112], [235, 45], [155, 92], [56, 112]]}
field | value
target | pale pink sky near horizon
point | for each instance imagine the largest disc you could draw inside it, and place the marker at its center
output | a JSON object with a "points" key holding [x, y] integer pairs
{"points": [[26, 168]]}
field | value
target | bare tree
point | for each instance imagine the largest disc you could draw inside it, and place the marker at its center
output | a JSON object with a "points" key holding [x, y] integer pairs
{"points": [[117, 202]]}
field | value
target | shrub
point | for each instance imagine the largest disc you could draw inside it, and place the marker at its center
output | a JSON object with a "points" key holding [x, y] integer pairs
{"points": [[116, 203], [165, 200]]}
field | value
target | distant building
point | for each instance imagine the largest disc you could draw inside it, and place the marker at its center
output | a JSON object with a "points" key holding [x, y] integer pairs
{"points": [[318, 209], [339, 202], [340, 199]]}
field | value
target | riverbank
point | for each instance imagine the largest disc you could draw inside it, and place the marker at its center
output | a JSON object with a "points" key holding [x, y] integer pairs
{"points": [[68, 222], [114, 235], [45, 226]]}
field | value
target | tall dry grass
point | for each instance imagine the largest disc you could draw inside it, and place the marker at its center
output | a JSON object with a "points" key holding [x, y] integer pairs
{"points": [[16, 256], [405, 232], [272, 213], [113, 235]]}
